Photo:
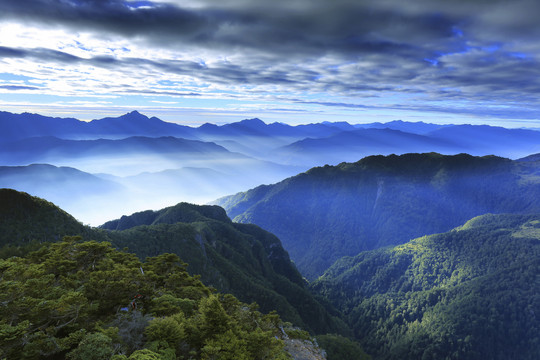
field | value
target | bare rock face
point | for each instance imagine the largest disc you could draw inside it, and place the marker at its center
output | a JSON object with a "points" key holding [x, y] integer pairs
{"points": [[304, 349]]}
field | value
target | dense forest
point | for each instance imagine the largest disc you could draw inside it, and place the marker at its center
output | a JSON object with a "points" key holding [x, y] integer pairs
{"points": [[471, 293], [86, 300], [334, 211]]}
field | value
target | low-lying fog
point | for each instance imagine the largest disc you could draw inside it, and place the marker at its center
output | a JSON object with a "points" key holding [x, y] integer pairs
{"points": [[97, 189]]}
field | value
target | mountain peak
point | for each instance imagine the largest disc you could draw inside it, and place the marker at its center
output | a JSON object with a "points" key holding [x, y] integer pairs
{"points": [[134, 115], [252, 123]]}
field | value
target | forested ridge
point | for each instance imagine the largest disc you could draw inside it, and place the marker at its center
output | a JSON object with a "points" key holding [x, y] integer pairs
{"points": [[240, 259], [334, 211], [471, 293]]}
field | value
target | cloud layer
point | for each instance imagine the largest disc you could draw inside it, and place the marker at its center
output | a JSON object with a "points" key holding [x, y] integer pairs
{"points": [[450, 56]]}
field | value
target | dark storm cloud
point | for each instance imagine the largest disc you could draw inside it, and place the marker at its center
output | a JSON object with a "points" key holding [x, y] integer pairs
{"points": [[109, 16], [340, 26], [11, 53], [292, 28]]}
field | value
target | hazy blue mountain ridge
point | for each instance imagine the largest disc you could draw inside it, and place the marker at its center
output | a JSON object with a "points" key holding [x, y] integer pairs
{"points": [[19, 126], [350, 146], [54, 149], [64, 179], [419, 127], [305, 145], [137, 124], [99, 196], [485, 139]]}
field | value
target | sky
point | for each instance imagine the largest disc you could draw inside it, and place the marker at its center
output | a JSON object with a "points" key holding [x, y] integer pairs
{"points": [[292, 61]]}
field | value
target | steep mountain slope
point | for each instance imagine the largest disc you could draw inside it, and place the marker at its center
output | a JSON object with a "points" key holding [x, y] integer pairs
{"points": [[242, 259], [471, 293], [25, 219], [238, 258], [333, 211]]}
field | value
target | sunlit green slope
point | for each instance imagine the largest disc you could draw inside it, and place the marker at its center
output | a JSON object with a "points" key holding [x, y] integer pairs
{"points": [[471, 293]]}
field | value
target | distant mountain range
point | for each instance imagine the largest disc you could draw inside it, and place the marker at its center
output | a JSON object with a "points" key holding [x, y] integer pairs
{"points": [[295, 144], [25, 125], [151, 163], [420, 127], [333, 211], [351, 145], [20, 126]]}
